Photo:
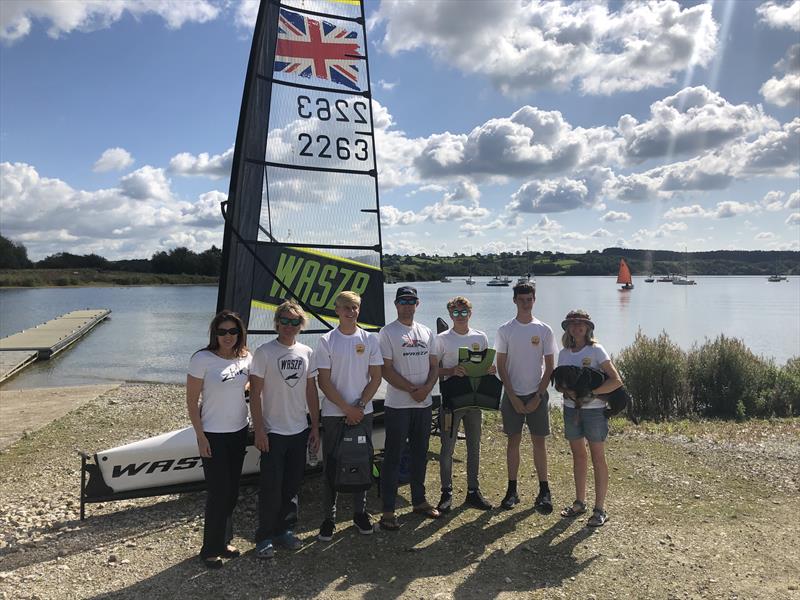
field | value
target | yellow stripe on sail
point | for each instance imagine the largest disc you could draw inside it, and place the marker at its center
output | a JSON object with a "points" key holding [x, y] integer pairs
{"points": [[352, 2], [274, 307], [336, 258]]}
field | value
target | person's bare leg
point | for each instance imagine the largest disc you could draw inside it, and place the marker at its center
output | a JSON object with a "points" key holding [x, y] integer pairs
{"points": [[579, 467], [512, 455], [600, 467]]}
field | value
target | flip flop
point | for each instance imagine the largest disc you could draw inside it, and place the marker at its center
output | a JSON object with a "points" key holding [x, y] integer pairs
{"points": [[389, 523], [570, 512], [428, 511]]}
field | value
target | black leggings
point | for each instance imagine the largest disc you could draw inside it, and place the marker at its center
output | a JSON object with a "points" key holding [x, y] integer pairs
{"points": [[222, 472]]}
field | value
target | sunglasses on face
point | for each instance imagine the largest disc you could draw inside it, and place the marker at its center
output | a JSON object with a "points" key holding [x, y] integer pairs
{"points": [[406, 301], [464, 312], [232, 331], [287, 321]]}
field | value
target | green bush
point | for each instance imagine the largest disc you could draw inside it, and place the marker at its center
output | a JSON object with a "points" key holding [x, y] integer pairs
{"points": [[727, 380], [786, 395], [654, 371]]}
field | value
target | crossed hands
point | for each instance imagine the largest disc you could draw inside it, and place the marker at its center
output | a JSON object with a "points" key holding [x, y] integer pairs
{"points": [[525, 409]]}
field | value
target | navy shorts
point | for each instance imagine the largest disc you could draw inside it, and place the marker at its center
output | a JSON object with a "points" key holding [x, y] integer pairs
{"points": [[590, 424]]}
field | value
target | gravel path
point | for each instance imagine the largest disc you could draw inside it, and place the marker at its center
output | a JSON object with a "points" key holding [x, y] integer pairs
{"points": [[698, 510]]}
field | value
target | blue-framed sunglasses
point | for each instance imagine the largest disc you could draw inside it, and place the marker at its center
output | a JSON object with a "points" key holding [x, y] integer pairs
{"points": [[287, 321], [464, 312]]}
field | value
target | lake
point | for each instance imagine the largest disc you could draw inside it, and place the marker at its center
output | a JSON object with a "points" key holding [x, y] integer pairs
{"points": [[153, 330]]}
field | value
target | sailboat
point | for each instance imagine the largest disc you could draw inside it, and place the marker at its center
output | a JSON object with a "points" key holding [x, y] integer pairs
{"points": [[499, 281], [775, 278], [624, 276], [527, 278], [470, 280], [305, 135], [684, 279]]}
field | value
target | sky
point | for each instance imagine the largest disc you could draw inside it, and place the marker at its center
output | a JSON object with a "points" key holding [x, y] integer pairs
{"points": [[500, 125]]}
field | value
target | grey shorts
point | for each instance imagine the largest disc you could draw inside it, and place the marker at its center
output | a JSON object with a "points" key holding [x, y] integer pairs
{"points": [[538, 421]]}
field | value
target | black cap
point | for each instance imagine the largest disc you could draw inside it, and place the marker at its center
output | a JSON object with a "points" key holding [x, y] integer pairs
{"points": [[406, 291]]}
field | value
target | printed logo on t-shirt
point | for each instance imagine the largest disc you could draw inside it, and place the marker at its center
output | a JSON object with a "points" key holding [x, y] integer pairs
{"points": [[230, 373], [409, 341], [291, 368], [360, 348], [586, 361], [476, 346], [535, 340]]}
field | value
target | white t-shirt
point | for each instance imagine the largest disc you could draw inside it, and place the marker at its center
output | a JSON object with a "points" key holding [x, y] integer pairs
{"points": [[409, 349], [449, 342], [526, 345], [285, 371], [222, 405], [349, 358], [588, 356]]}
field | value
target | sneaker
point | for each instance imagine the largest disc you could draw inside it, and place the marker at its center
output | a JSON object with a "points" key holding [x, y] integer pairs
{"points": [[289, 541], [510, 500], [326, 530], [543, 503], [265, 549], [476, 500], [363, 523], [445, 502]]}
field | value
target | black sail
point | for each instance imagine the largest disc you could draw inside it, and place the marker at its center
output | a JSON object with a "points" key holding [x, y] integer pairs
{"points": [[301, 219]]}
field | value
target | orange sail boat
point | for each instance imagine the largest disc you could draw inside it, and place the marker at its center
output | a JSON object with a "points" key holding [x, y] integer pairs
{"points": [[624, 276]]}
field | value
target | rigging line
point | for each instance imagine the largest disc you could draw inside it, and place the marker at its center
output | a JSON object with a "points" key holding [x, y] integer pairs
{"points": [[313, 13], [269, 163], [301, 245], [246, 244], [316, 88]]}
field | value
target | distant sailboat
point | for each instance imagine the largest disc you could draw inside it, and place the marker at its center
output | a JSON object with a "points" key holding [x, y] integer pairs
{"points": [[445, 279], [776, 278], [624, 276], [649, 279], [470, 280], [499, 281], [684, 279], [527, 278]]}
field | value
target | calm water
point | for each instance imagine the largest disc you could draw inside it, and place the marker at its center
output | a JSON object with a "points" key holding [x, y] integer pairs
{"points": [[153, 330]]}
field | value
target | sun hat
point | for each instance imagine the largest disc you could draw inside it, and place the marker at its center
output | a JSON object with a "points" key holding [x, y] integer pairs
{"points": [[579, 316], [406, 291]]}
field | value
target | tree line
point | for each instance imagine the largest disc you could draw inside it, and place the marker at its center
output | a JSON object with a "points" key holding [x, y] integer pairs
{"points": [[425, 267], [14, 255]]}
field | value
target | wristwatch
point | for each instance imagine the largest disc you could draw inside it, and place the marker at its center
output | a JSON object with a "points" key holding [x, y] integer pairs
{"points": [[361, 403]]}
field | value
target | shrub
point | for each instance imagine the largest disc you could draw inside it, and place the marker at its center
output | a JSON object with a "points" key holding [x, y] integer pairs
{"points": [[786, 395], [655, 374], [728, 380]]}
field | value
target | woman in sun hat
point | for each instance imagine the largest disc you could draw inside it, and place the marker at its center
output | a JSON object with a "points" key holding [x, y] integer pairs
{"points": [[584, 418]]}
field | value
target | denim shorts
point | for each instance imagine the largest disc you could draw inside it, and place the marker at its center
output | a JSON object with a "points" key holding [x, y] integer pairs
{"points": [[590, 424], [538, 421]]}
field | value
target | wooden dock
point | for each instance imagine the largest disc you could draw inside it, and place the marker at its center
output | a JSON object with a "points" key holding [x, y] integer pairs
{"points": [[48, 339]]}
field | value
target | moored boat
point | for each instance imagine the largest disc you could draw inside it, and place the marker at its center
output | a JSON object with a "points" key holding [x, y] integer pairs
{"points": [[624, 276]]}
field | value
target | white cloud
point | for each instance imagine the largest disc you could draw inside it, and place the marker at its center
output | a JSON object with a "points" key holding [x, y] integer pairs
{"points": [[246, 14], [17, 16], [785, 90], [549, 195], [545, 226], [793, 219], [780, 15], [113, 159], [392, 217], [525, 46], [129, 221], [612, 216], [773, 201], [693, 120], [385, 85], [731, 208], [723, 210], [793, 201], [764, 235], [685, 212], [601, 233], [202, 165]]}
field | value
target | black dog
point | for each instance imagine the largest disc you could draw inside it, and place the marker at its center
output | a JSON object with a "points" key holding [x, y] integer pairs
{"points": [[578, 383]]}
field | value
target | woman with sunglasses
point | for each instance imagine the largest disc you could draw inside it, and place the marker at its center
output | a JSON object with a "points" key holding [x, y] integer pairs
{"points": [[219, 373], [282, 393]]}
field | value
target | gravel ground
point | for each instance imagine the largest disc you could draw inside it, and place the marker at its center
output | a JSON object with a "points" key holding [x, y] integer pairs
{"points": [[698, 510]]}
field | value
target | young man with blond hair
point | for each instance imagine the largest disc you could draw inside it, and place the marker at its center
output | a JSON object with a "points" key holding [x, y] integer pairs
{"points": [[348, 361], [525, 355], [461, 335]]}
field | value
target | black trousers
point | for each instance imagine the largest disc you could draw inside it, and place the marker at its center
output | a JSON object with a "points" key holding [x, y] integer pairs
{"points": [[282, 471], [414, 425], [222, 472]]}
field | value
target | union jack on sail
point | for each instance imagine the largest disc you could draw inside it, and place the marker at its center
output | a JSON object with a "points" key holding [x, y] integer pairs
{"points": [[312, 48]]}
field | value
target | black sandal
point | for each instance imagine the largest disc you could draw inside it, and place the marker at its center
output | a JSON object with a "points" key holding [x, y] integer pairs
{"points": [[575, 510], [212, 562], [389, 523], [598, 518]]}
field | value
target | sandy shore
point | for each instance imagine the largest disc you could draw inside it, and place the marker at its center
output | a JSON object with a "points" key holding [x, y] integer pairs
{"points": [[698, 510]]}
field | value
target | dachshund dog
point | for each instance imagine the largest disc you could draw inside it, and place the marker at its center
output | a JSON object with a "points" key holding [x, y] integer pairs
{"points": [[577, 384]]}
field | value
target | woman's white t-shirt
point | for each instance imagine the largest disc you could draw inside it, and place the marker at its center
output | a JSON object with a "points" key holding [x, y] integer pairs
{"points": [[409, 349], [526, 345], [285, 371], [588, 356], [222, 405], [349, 358]]}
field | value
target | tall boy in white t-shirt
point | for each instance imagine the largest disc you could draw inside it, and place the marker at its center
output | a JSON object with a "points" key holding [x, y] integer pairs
{"points": [[525, 355], [348, 363]]}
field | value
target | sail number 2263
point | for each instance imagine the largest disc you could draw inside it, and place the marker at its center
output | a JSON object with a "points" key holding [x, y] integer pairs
{"points": [[342, 110]]}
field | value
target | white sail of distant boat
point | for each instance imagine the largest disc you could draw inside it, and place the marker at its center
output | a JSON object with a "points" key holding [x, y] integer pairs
{"points": [[684, 279], [304, 161]]}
